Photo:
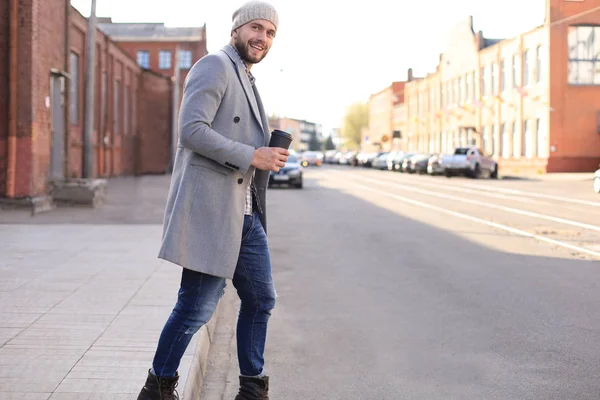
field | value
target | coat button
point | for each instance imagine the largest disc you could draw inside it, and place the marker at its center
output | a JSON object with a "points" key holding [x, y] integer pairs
{"points": [[240, 181], [236, 119]]}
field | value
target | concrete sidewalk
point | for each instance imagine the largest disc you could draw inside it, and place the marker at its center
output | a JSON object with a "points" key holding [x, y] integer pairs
{"points": [[82, 304], [553, 177]]}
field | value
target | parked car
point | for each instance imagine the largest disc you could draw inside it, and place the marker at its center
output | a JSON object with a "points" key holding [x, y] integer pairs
{"points": [[370, 157], [419, 163], [434, 166], [290, 174], [410, 164], [597, 181], [399, 160], [311, 158], [470, 161], [380, 162], [349, 158], [330, 157], [389, 159]]}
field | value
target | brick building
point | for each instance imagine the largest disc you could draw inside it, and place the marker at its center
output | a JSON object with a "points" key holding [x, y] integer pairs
{"points": [[155, 46], [533, 102], [42, 102]]}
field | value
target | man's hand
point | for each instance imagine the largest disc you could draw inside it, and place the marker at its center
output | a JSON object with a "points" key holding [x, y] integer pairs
{"points": [[270, 158]]}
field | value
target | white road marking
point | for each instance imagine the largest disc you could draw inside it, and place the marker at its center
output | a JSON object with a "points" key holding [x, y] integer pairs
{"points": [[477, 192], [482, 204], [536, 195], [506, 228]]}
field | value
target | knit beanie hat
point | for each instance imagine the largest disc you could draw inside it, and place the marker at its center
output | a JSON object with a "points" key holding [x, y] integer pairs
{"points": [[254, 10]]}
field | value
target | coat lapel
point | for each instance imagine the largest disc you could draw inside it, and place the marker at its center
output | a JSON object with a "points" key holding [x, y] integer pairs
{"points": [[243, 76]]}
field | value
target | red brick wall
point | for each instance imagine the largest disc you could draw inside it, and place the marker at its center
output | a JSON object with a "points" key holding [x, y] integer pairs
{"points": [[24, 99], [115, 149], [574, 121], [4, 49], [41, 48], [154, 115], [77, 39], [49, 52]]}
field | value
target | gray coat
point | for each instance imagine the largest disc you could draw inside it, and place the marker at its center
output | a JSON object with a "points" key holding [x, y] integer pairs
{"points": [[221, 123]]}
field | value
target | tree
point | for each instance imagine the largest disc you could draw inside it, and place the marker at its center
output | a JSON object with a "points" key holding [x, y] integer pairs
{"points": [[356, 118], [329, 145], [314, 144]]}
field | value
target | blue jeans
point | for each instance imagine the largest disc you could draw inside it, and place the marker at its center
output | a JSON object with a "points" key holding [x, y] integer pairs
{"points": [[198, 297]]}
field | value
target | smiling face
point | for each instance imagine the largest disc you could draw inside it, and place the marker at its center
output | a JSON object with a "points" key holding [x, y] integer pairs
{"points": [[253, 40]]}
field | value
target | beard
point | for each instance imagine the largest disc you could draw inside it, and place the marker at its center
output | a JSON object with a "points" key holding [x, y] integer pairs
{"points": [[243, 49]]}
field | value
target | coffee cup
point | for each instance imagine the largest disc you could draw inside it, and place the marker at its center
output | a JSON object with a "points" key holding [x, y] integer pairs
{"points": [[280, 139]]}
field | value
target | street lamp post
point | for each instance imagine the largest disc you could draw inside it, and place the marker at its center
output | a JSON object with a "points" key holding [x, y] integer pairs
{"points": [[88, 115]]}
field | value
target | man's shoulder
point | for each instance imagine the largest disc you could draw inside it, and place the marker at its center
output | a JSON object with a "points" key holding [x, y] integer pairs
{"points": [[215, 65], [217, 59]]}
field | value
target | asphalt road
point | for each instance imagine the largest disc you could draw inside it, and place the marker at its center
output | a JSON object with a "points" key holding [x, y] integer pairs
{"points": [[413, 287]]}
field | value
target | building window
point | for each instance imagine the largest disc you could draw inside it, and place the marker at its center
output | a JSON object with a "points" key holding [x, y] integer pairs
{"points": [[515, 140], [515, 61], [503, 76], [143, 59], [460, 90], [505, 142], [74, 92], [185, 59], [528, 140], [126, 111], [483, 82], [538, 64], [117, 93], [134, 111], [526, 66], [164, 59], [104, 101], [493, 140], [584, 55], [468, 87], [431, 99], [494, 79], [484, 138]]}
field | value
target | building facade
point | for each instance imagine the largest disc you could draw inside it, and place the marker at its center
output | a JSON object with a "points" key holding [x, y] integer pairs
{"points": [[306, 135], [532, 102], [383, 132], [156, 47], [42, 102]]}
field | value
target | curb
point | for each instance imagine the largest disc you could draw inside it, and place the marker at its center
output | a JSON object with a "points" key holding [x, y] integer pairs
{"points": [[198, 367]]}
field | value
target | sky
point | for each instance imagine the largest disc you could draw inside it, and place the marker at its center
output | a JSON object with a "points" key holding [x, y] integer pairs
{"points": [[329, 54]]}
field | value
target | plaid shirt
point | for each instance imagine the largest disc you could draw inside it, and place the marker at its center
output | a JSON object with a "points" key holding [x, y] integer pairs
{"points": [[248, 208]]}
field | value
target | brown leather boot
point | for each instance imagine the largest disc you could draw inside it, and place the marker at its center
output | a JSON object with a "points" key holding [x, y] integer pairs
{"points": [[253, 388], [159, 388]]}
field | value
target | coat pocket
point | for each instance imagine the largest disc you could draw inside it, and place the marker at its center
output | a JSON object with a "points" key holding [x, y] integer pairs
{"points": [[208, 168], [212, 194]]}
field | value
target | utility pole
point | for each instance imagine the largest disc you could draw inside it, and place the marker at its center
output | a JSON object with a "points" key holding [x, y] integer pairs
{"points": [[90, 84]]}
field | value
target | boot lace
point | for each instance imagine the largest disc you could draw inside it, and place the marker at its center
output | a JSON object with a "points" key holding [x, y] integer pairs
{"points": [[167, 390]]}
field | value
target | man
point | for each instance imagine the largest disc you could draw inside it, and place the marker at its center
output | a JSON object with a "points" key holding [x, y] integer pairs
{"points": [[215, 218]]}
